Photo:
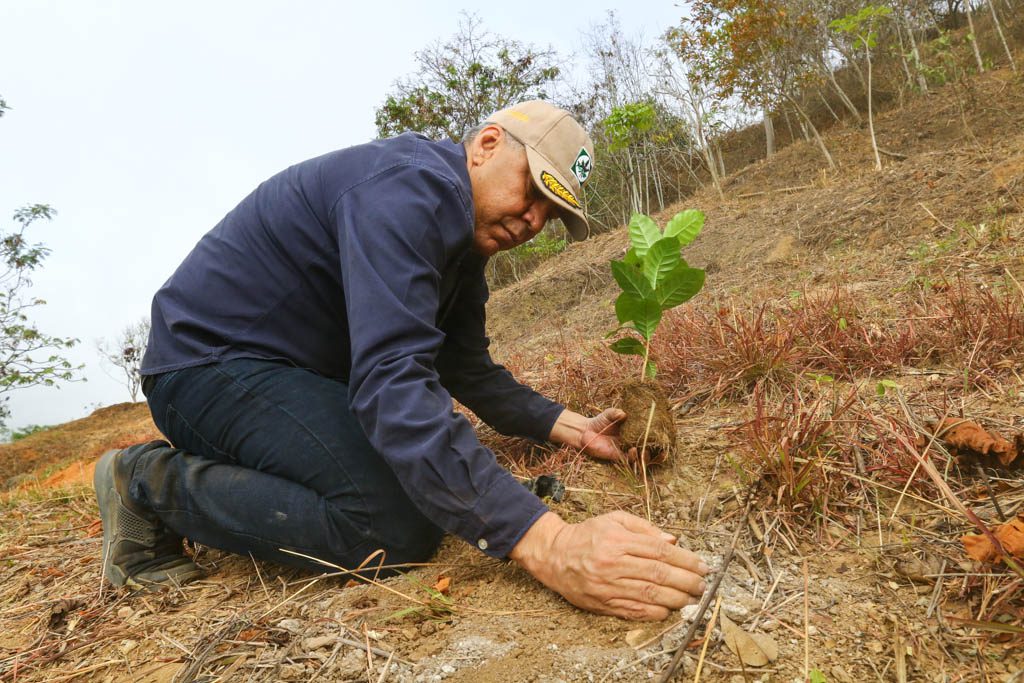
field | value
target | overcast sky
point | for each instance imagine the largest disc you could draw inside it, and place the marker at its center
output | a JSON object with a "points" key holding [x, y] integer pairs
{"points": [[143, 123]]}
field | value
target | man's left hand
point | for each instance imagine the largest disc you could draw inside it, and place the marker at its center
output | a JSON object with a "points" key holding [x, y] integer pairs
{"points": [[596, 436]]}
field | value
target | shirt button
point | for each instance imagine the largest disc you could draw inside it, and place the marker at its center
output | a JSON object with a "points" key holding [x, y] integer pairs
{"points": [[482, 544]]}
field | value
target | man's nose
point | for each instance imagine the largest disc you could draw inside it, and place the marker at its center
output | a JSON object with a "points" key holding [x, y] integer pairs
{"points": [[537, 215]]}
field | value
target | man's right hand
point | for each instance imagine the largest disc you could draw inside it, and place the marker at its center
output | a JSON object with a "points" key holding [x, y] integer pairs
{"points": [[616, 564]]}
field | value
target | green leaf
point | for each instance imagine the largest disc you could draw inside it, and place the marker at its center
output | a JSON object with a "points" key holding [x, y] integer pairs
{"points": [[816, 676], [679, 286], [643, 232], [629, 346], [631, 259], [885, 385], [631, 280], [645, 314], [685, 226], [661, 260]]}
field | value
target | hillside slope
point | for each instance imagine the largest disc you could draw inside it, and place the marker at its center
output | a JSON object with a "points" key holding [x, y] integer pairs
{"points": [[868, 582], [789, 220]]}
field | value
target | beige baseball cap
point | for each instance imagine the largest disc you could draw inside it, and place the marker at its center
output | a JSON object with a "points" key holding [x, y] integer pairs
{"points": [[561, 156]]}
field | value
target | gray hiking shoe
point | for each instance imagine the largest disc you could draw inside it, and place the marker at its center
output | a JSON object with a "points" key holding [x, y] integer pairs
{"points": [[138, 550]]}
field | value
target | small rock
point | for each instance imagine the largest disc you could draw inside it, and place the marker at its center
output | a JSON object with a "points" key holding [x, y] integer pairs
{"points": [[318, 643], [690, 611], [635, 637], [127, 646], [125, 613], [735, 611], [292, 672], [293, 625], [447, 669]]}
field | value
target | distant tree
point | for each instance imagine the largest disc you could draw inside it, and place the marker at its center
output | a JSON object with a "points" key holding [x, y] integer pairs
{"points": [[28, 430], [862, 27], [125, 353], [461, 81], [28, 357]]}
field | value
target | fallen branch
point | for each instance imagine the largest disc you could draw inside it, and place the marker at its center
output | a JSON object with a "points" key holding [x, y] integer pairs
{"points": [[709, 595]]}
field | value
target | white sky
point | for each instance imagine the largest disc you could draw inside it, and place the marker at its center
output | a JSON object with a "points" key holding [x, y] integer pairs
{"points": [[142, 124]]}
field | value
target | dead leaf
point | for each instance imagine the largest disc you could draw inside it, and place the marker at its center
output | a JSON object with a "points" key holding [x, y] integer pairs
{"points": [[1010, 535], [636, 637], [443, 585], [754, 649], [968, 438]]}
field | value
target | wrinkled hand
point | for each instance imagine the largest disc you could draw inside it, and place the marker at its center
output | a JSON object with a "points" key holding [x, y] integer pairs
{"points": [[616, 564], [599, 437]]}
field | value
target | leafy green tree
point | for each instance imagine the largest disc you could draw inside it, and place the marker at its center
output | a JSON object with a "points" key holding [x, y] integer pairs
{"points": [[28, 357], [464, 79]]}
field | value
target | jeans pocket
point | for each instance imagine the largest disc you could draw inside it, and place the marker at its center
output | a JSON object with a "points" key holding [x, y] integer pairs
{"points": [[183, 435]]}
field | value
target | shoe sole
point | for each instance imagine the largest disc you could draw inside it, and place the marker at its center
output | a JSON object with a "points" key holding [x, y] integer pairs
{"points": [[109, 501]]}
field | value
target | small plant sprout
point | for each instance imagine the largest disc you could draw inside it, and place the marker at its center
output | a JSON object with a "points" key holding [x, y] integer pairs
{"points": [[654, 278]]}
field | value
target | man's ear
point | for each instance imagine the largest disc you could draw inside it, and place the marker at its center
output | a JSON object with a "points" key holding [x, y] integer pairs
{"points": [[486, 143]]}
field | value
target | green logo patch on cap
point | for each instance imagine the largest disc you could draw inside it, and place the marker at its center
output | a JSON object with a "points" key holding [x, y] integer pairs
{"points": [[582, 166]]}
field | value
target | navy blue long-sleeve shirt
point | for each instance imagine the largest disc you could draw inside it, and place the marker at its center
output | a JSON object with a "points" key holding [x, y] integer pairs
{"points": [[359, 265]]}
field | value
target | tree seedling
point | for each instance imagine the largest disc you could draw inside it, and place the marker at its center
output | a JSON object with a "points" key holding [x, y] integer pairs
{"points": [[654, 278]]}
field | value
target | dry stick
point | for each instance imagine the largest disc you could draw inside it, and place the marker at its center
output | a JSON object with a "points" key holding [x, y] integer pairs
{"points": [[933, 216], [704, 604], [707, 639], [1007, 270], [991, 492], [706, 600], [781, 189], [384, 671], [807, 630], [643, 459]]}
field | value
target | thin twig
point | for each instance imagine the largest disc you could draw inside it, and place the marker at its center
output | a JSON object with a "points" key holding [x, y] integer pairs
{"points": [[643, 459], [934, 216], [708, 596], [707, 639], [807, 630]]}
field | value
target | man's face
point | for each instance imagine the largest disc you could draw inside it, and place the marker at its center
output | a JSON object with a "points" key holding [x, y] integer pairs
{"points": [[509, 209]]}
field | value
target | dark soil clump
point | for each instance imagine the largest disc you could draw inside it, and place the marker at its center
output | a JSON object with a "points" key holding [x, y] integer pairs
{"points": [[635, 398]]}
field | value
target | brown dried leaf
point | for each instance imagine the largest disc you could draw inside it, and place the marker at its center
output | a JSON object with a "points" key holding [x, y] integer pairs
{"points": [[443, 585], [966, 437], [1010, 535], [755, 649]]}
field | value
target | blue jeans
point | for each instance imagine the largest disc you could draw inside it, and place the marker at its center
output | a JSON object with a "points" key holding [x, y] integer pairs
{"points": [[268, 457]]}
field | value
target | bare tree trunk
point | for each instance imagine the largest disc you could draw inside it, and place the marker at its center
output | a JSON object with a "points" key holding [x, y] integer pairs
{"points": [[769, 132], [969, 11], [922, 82], [999, 30], [789, 124], [721, 161], [843, 97], [871, 117], [814, 130], [634, 195], [903, 59], [824, 100]]}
